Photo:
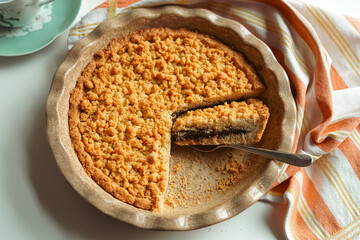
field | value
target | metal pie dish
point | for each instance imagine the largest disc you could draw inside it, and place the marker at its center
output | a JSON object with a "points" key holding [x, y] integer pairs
{"points": [[260, 173]]}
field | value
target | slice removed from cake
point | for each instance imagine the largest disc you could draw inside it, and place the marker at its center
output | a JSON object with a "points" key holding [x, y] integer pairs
{"points": [[231, 123]]}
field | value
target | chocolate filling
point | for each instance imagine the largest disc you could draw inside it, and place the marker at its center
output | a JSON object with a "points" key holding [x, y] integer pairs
{"points": [[205, 133]]}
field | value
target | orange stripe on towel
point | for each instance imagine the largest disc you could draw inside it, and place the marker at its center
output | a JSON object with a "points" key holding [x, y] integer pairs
{"points": [[103, 5], [122, 3], [280, 188], [328, 144], [336, 80], [299, 228], [352, 153], [348, 124], [318, 206], [291, 170], [119, 3]]}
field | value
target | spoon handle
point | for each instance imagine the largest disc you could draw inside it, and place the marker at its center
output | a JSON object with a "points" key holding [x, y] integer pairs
{"points": [[299, 160]]}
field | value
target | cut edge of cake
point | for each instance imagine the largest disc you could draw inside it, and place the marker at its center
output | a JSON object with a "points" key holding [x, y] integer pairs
{"points": [[230, 123]]}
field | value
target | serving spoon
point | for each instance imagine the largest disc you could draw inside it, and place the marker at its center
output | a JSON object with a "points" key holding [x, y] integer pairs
{"points": [[299, 160]]}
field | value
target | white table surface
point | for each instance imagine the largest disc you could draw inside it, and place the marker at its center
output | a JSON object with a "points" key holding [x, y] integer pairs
{"points": [[36, 202]]}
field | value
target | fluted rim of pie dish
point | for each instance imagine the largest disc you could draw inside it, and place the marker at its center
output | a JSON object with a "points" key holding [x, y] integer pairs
{"points": [[71, 168]]}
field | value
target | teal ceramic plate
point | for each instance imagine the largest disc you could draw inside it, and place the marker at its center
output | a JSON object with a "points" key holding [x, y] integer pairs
{"points": [[63, 15]]}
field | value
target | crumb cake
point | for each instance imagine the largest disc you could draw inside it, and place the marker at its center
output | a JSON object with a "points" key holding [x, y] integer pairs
{"points": [[231, 123], [120, 115]]}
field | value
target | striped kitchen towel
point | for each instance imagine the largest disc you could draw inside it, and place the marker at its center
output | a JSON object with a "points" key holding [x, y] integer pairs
{"points": [[320, 52]]}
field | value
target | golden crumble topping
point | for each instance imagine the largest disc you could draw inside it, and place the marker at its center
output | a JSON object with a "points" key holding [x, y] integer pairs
{"points": [[120, 110]]}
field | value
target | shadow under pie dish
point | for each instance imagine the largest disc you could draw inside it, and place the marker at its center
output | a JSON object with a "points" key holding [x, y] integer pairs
{"points": [[110, 116]]}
